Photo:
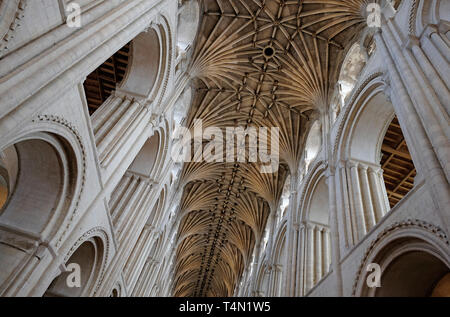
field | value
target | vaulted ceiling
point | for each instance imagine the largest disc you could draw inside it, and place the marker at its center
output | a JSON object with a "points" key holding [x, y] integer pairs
{"points": [[270, 63]]}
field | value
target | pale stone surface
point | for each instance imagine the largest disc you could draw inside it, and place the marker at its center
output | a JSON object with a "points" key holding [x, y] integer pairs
{"points": [[103, 192]]}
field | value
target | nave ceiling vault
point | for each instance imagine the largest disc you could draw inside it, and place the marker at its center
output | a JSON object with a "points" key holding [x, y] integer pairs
{"points": [[256, 63]]}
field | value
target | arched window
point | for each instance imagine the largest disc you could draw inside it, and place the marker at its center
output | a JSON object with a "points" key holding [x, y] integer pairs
{"points": [[284, 200], [182, 106], [352, 66], [188, 17], [313, 145]]}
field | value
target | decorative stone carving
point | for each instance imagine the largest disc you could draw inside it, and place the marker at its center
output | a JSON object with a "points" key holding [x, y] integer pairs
{"points": [[407, 224]]}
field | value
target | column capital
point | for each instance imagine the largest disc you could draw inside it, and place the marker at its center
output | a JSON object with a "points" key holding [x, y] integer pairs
{"points": [[277, 267], [430, 29], [330, 172], [411, 41], [364, 167], [352, 164], [342, 163], [375, 170]]}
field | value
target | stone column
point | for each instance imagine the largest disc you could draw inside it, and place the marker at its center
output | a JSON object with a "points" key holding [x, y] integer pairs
{"points": [[378, 190], [369, 213], [326, 251], [278, 276], [300, 262], [427, 160], [344, 207], [114, 123], [23, 260], [424, 102], [334, 230], [291, 234], [136, 261], [318, 254], [309, 259], [358, 207], [128, 202]]}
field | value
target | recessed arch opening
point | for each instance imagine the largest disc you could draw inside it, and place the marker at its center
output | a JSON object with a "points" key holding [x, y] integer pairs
{"points": [[133, 70], [188, 19], [39, 172], [413, 274], [317, 239], [378, 153], [83, 268], [146, 160], [411, 266], [313, 145]]}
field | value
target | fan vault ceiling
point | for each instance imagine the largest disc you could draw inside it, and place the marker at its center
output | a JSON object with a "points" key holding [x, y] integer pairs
{"points": [[270, 63]]}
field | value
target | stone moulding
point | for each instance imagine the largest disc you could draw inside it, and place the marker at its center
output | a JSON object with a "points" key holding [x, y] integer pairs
{"points": [[96, 232], [11, 12], [73, 130], [407, 224]]}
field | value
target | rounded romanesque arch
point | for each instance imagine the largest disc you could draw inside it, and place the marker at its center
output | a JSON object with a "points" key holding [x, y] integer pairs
{"points": [[262, 279], [84, 265], [42, 171], [144, 69], [152, 157], [315, 228], [374, 159], [139, 70], [188, 20], [402, 251], [278, 261]]}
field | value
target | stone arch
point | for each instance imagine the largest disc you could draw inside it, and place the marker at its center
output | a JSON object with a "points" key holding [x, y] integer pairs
{"points": [[144, 68], [42, 168], [188, 20], [313, 145], [367, 158], [315, 228], [278, 261], [152, 157], [402, 251], [87, 256], [423, 13], [138, 71], [157, 212], [262, 278], [146, 161]]}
